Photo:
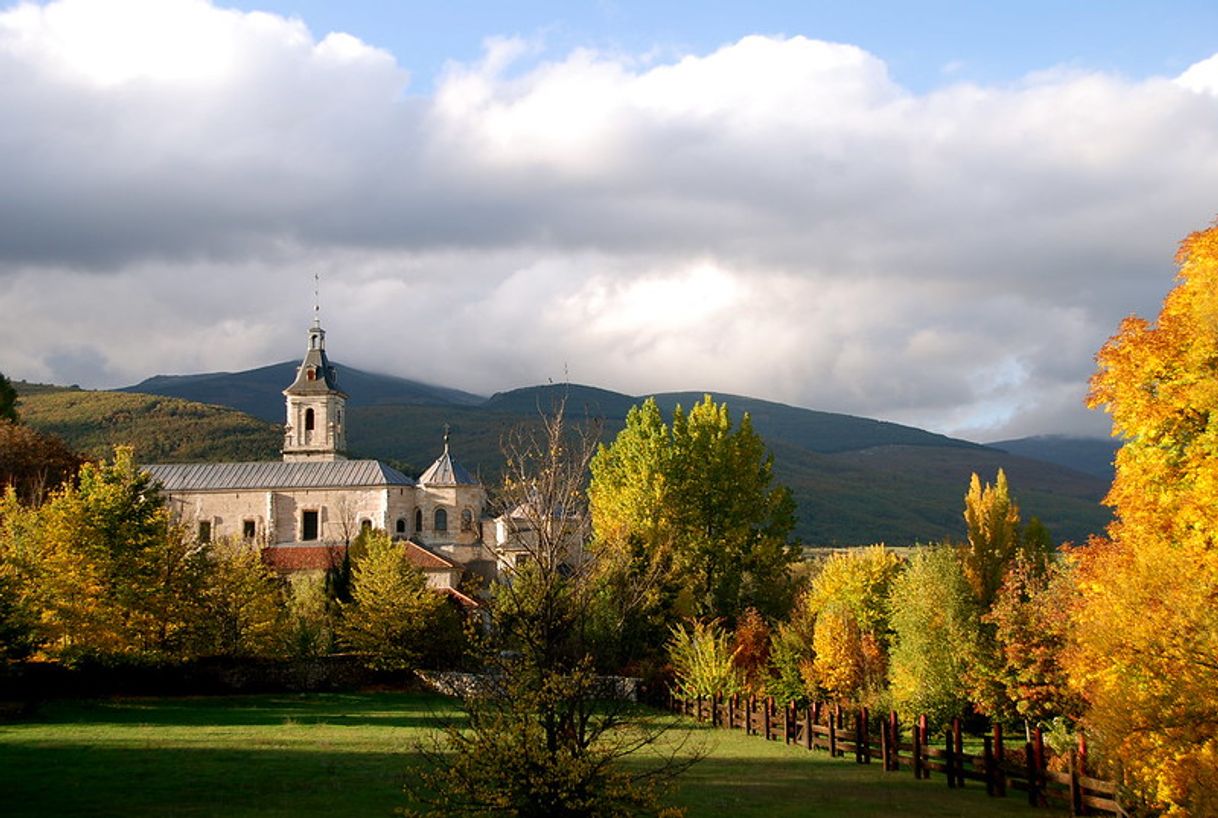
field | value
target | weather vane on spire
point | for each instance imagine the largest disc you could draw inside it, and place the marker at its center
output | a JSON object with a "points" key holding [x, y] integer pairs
{"points": [[317, 299]]}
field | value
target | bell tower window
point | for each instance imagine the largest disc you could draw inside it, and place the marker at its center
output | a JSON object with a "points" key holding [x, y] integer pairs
{"points": [[309, 422]]}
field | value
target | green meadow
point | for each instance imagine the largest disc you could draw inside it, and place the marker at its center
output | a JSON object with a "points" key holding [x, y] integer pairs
{"points": [[351, 754]]}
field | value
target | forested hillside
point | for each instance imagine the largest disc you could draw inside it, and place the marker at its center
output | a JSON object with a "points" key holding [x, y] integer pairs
{"points": [[160, 429], [855, 480]]}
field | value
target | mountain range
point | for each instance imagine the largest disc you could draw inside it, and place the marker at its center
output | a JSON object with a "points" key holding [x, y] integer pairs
{"points": [[855, 480]]}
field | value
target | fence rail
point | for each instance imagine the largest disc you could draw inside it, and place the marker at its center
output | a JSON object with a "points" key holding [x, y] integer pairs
{"points": [[882, 740]]}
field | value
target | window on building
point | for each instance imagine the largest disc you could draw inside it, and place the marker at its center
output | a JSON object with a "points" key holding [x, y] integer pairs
{"points": [[249, 529], [311, 374], [401, 526], [467, 520], [309, 420], [522, 559], [441, 520], [365, 526], [205, 531], [308, 525], [418, 519]]}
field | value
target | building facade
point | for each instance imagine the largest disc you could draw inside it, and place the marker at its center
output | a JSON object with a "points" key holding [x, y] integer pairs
{"points": [[304, 510]]}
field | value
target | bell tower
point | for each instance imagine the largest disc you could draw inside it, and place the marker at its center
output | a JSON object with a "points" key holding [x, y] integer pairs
{"points": [[316, 408]]}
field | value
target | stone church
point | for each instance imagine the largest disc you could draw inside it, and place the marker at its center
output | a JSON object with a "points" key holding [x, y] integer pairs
{"points": [[305, 509]]}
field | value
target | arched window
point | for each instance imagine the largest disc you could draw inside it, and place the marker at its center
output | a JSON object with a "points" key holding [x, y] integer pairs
{"points": [[309, 420], [441, 520], [365, 526], [467, 519], [418, 519], [401, 526]]}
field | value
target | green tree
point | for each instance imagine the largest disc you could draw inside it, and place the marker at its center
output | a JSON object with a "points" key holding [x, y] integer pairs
{"points": [[704, 661], [935, 631], [242, 600], [545, 736], [8, 400], [695, 499], [391, 608]]}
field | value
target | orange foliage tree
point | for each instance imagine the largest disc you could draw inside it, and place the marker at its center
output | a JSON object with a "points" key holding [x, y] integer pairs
{"points": [[1144, 650]]}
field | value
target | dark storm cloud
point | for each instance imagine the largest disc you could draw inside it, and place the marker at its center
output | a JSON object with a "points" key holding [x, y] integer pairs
{"points": [[776, 218]]}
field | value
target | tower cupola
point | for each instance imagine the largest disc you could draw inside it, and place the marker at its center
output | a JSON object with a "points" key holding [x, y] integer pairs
{"points": [[316, 407]]}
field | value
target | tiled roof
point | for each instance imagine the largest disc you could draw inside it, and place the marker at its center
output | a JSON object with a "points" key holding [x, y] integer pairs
{"points": [[276, 475], [447, 472], [288, 558], [425, 558]]}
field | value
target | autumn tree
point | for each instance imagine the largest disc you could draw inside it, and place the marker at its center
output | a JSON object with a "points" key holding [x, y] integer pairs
{"points": [[32, 463], [242, 602], [391, 610], [935, 630], [1030, 618], [1144, 652], [101, 565], [694, 503], [992, 520], [751, 650], [848, 601]]}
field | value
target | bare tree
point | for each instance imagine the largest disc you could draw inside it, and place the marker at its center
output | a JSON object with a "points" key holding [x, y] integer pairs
{"points": [[546, 735]]}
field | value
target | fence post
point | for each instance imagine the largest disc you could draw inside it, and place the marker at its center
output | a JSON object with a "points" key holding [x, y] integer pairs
{"points": [[865, 733], [1033, 800], [949, 761], [989, 765], [832, 735], [894, 733], [958, 738], [924, 724], [860, 749], [885, 746], [917, 751], [809, 721], [1038, 746], [1076, 790], [1081, 766], [999, 758]]}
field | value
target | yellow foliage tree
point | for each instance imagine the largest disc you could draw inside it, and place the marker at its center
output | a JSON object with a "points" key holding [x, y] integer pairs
{"points": [[993, 536], [1144, 651]]}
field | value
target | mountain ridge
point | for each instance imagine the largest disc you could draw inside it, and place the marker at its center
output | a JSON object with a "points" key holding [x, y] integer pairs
{"points": [[855, 480]]}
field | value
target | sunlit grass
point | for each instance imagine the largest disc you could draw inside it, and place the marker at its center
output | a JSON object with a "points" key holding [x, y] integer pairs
{"points": [[351, 754]]}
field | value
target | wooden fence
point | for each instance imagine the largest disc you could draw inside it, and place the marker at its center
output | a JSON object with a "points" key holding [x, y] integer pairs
{"points": [[999, 768]]}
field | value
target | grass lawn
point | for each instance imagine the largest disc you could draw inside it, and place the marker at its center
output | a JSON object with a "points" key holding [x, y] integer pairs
{"points": [[349, 754]]}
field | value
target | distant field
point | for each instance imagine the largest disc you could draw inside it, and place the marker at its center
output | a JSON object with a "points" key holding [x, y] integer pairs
{"points": [[350, 754]]}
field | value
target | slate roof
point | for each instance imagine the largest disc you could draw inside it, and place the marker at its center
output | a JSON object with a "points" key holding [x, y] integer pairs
{"points": [[447, 472], [324, 378], [275, 474]]}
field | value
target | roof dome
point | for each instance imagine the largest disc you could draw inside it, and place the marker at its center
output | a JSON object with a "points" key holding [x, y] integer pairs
{"points": [[447, 472]]}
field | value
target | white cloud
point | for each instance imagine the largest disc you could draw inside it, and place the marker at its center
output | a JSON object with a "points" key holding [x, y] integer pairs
{"points": [[776, 218]]}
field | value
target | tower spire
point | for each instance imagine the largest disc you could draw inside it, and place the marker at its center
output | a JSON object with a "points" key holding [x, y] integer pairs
{"points": [[316, 299]]}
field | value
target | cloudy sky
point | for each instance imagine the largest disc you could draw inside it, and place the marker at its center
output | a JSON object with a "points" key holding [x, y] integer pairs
{"points": [[921, 212]]}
